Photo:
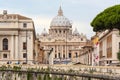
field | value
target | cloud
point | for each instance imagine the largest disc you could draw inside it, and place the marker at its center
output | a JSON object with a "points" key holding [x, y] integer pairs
{"points": [[83, 27], [41, 22], [81, 12]]}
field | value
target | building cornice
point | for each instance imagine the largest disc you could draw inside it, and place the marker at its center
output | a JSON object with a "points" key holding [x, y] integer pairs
{"points": [[107, 33], [14, 29]]}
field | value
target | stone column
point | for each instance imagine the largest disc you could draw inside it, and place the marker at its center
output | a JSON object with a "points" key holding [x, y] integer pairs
{"points": [[54, 51], [66, 53], [16, 48], [12, 56], [62, 52], [57, 51], [46, 57]]}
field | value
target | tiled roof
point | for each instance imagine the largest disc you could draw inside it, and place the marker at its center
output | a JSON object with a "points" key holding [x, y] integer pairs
{"points": [[15, 16], [23, 17]]}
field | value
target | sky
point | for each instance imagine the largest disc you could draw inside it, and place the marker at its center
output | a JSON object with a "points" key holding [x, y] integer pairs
{"points": [[79, 12]]}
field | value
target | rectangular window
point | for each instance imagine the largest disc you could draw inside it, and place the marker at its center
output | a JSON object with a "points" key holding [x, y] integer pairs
{"points": [[81, 39], [109, 41], [24, 46], [109, 52], [55, 55], [24, 55], [4, 55], [24, 25]]}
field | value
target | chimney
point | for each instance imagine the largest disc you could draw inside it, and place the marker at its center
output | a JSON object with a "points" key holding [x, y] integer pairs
{"points": [[4, 12]]}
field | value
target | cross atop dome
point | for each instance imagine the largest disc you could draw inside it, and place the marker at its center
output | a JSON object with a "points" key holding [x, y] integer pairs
{"points": [[60, 12]]}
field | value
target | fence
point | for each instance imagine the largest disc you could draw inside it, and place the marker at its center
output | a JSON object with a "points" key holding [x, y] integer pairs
{"points": [[18, 73]]}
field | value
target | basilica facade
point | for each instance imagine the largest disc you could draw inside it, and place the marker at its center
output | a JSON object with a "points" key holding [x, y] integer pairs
{"points": [[65, 44], [17, 36]]}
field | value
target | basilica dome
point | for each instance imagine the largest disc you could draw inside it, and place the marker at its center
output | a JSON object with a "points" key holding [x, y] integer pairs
{"points": [[60, 20]]}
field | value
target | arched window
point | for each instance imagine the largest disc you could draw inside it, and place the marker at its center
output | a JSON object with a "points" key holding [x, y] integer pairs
{"points": [[69, 55], [59, 31], [58, 55], [5, 44], [64, 31]]}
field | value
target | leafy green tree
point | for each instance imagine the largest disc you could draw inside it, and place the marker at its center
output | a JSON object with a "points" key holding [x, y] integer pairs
{"points": [[108, 19]]}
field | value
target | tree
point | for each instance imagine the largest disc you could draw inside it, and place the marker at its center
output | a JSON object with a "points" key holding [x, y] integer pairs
{"points": [[118, 55], [108, 19]]}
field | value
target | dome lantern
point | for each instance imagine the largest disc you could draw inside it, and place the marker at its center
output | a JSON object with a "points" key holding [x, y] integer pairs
{"points": [[60, 12]]}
